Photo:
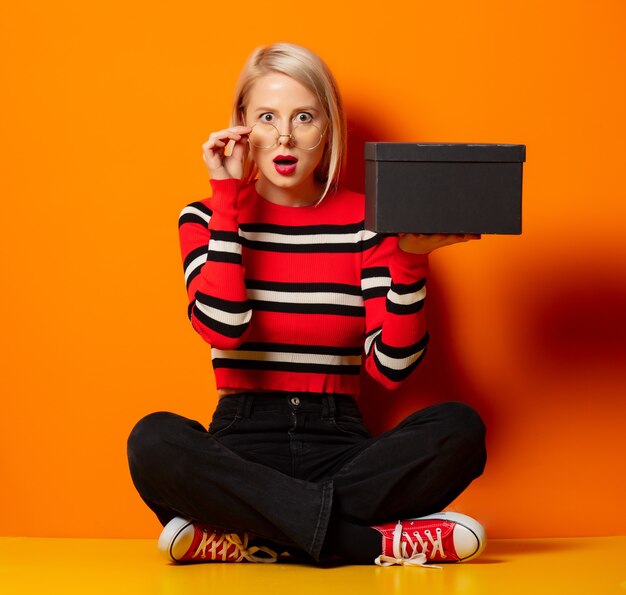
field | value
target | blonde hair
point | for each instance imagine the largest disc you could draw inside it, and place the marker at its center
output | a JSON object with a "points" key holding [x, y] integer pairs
{"points": [[310, 71]]}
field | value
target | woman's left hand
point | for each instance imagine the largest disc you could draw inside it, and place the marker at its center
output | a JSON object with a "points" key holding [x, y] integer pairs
{"points": [[424, 243]]}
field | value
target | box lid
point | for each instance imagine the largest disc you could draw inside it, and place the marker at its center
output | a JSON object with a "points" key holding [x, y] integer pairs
{"points": [[464, 152]]}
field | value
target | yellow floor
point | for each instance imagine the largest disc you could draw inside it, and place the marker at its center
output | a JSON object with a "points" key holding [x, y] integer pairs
{"points": [[593, 566]]}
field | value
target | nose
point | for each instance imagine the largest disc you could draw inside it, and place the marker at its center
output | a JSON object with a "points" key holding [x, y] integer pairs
{"points": [[285, 134], [285, 139]]}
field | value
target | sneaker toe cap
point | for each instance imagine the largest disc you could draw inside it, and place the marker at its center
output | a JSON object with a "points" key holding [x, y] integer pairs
{"points": [[176, 538], [469, 539]]}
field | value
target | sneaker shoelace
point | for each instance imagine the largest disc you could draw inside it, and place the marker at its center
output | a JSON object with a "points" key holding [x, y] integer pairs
{"points": [[231, 541], [419, 549]]}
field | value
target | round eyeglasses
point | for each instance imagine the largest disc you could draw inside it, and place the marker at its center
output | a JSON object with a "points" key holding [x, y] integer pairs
{"points": [[303, 136]]}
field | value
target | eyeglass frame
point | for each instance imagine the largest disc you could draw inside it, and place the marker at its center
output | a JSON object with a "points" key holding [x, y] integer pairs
{"points": [[291, 136]]}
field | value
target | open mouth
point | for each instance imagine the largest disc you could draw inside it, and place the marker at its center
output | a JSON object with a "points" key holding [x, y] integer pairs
{"points": [[285, 160], [285, 164]]}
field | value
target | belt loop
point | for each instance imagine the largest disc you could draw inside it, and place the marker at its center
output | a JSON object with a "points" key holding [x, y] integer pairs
{"points": [[247, 411], [330, 400], [244, 406]]}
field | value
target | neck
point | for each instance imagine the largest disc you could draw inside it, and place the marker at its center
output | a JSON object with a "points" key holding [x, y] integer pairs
{"points": [[303, 195]]}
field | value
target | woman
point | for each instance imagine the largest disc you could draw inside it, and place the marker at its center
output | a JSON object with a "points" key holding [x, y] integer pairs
{"points": [[292, 293]]}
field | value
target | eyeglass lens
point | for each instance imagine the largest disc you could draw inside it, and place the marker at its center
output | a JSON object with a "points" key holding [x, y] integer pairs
{"points": [[266, 136]]}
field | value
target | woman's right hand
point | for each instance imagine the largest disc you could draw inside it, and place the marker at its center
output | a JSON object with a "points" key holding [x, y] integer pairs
{"points": [[224, 151]]}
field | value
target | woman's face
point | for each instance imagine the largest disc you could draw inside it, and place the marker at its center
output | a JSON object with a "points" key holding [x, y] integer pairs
{"points": [[283, 102]]}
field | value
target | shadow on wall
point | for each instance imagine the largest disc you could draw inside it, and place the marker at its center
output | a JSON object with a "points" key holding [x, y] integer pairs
{"points": [[360, 131], [576, 322], [571, 332]]}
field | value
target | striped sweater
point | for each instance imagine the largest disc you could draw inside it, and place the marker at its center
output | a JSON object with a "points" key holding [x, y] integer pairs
{"points": [[295, 298]]}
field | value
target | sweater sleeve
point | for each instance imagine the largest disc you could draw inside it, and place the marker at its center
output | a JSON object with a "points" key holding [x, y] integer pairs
{"points": [[214, 273], [394, 287]]}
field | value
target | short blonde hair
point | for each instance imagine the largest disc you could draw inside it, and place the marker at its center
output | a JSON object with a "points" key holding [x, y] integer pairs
{"points": [[310, 71]]}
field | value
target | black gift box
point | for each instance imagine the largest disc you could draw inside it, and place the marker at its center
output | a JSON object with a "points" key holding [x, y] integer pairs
{"points": [[444, 188]]}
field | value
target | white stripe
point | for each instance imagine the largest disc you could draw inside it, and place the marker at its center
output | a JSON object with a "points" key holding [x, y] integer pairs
{"points": [[224, 246], [373, 282], [309, 297], [370, 339], [395, 363], [194, 264], [229, 318], [406, 299], [322, 238], [189, 210], [286, 357]]}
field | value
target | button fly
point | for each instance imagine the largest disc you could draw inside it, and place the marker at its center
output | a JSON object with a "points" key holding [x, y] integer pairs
{"points": [[295, 401]]}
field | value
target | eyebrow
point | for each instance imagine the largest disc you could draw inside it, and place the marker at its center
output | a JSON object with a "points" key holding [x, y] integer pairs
{"points": [[304, 108]]}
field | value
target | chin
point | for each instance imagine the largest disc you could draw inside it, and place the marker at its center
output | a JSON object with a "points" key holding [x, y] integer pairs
{"points": [[284, 181]]}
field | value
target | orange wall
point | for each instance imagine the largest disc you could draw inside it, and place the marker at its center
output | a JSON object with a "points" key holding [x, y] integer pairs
{"points": [[106, 108]]}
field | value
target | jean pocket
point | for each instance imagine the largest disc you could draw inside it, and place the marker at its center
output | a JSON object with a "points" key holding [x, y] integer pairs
{"points": [[353, 426], [223, 425]]}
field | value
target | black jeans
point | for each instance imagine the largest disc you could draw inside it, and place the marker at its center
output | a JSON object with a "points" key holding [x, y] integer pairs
{"points": [[278, 464]]}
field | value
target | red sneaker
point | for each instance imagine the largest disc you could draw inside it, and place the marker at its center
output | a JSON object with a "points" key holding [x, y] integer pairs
{"points": [[441, 537], [184, 541]]}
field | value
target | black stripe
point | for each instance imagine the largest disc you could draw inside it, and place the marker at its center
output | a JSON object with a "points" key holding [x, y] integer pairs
{"points": [[300, 230], [225, 236], [230, 257], [200, 251], [336, 309], [201, 207], [226, 330], [221, 304], [401, 352], [367, 244], [398, 375], [294, 348], [367, 337], [373, 332], [192, 276], [370, 272], [375, 292], [191, 218], [190, 309], [374, 241], [406, 288], [285, 367], [403, 309], [343, 288]]}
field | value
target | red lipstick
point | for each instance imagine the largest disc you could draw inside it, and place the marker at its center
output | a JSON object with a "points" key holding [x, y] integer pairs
{"points": [[285, 164]]}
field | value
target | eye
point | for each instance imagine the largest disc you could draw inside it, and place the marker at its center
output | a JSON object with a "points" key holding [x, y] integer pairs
{"points": [[304, 118], [266, 117]]}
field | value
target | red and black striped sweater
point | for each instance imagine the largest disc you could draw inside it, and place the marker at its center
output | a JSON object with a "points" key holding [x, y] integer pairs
{"points": [[294, 298]]}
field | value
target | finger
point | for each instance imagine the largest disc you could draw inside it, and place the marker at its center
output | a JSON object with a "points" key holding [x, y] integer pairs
{"points": [[211, 160], [238, 151], [211, 143], [222, 136], [241, 129], [234, 132], [408, 234], [214, 148]]}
